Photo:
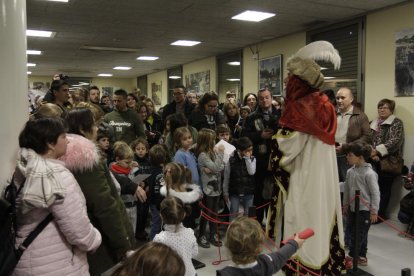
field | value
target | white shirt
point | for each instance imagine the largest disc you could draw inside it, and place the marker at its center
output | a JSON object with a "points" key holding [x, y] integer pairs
{"points": [[183, 241]]}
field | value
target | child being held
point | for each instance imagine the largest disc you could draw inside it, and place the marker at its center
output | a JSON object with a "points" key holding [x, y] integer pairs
{"points": [[361, 177], [239, 183], [223, 133], [121, 169], [244, 239], [175, 235]]}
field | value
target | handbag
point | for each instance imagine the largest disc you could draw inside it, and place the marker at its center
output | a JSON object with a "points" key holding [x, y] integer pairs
{"points": [[407, 203], [392, 164], [9, 255]]}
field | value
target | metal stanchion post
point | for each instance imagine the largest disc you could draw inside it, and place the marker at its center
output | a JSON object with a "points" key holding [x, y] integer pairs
{"points": [[406, 272], [356, 234]]}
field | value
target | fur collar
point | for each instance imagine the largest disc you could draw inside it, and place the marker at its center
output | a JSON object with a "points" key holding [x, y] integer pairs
{"points": [[81, 154], [192, 195]]}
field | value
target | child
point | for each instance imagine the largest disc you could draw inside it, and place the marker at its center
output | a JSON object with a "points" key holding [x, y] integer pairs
{"points": [[121, 169], [104, 142], [178, 183], [211, 164], [239, 183], [152, 258], [244, 112], [244, 239], [158, 157], [223, 133], [361, 177], [184, 141], [175, 235], [140, 147]]}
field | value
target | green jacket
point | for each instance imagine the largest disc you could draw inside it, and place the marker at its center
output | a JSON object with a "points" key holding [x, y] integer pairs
{"points": [[126, 124], [105, 207]]}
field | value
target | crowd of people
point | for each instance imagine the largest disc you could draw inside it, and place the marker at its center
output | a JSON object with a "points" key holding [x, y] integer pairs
{"points": [[109, 164]]}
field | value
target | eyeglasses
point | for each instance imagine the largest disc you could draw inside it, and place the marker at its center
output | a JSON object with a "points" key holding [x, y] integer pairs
{"points": [[383, 107]]}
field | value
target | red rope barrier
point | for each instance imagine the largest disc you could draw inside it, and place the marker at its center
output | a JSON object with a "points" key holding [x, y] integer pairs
{"points": [[386, 222]]}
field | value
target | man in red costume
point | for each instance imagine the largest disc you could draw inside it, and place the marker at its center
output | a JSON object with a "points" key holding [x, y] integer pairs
{"points": [[303, 161]]}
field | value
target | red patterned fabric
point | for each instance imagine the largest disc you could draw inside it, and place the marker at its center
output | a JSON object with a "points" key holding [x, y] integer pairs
{"points": [[118, 169], [308, 110]]}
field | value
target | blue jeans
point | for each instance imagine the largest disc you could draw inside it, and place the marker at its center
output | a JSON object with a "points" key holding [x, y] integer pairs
{"points": [[155, 221], [246, 200]]}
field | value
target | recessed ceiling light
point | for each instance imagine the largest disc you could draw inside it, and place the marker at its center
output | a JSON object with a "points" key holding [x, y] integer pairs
{"points": [[254, 16], [185, 43], [31, 64], [329, 78], [34, 52], [28, 72], [174, 77], [233, 79], [39, 33], [104, 75], [122, 68], [234, 63], [147, 58], [84, 83], [65, 1], [323, 68]]}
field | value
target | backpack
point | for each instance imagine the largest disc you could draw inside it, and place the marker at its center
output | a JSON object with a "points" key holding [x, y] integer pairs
{"points": [[9, 255]]}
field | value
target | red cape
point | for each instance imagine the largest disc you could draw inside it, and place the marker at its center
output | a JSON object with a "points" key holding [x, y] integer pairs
{"points": [[308, 110]]}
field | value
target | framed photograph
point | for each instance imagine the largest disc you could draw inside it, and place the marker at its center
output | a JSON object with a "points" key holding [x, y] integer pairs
{"points": [[156, 88], [270, 74], [404, 63], [200, 82]]}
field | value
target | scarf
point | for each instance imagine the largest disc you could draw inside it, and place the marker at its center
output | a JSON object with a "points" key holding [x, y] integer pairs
{"points": [[41, 187], [121, 170], [308, 110]]}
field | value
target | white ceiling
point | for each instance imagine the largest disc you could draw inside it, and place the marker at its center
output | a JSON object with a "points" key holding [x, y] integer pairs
{"points": [[150, 26]]}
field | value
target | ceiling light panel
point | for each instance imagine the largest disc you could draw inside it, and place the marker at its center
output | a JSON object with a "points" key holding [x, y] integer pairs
{"points": [[31, 64], [122, 68], [234, 63], [187, 43], [64, 1], [147, 58], [33, 52], [104, 75], [38, 33], [254, 16], [174, 77], [29, 73]]}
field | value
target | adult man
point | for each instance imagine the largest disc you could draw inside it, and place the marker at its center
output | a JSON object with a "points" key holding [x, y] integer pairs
{"points": [[179, 105], [94, 99], [192, 97], [59, 93], [260, 127], [303, 159], [352, 125], [125, 121]]}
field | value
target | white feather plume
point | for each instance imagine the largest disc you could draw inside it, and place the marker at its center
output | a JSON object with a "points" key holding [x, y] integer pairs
{"points": [[320, 50]]}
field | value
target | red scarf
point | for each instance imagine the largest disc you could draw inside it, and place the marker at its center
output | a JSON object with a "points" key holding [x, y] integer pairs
{"points": [[121, 170], [308, 110]]}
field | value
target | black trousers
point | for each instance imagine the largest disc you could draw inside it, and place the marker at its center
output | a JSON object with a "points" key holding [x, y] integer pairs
{"points": [[212, 203], [385, 182], [364, 219]]}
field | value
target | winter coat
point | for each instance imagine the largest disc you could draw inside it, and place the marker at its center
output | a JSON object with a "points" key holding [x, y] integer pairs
{"points": [[105, 208], [60, 249]]}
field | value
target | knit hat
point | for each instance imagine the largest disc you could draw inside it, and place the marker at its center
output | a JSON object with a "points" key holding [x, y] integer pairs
{"points": [[303, 65]]}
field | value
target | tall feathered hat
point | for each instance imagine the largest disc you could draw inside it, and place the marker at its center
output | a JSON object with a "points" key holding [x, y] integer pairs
{"points": [[303, 63]]}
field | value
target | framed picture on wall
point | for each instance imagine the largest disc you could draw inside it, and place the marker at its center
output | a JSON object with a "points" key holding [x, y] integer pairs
{"points": [[200, 82], [404, 63], [270, 74], [156, 88]]}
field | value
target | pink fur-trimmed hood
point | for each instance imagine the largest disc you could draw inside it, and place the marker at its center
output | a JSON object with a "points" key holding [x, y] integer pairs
{"points": [[81, 154]]}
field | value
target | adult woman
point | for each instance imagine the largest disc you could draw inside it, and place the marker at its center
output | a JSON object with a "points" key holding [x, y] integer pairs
{"points": [[231, 111], [387, 140], [105, 208], [153, 121], [49, 188], [132, 102], [207, 114], [251, 101]]}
